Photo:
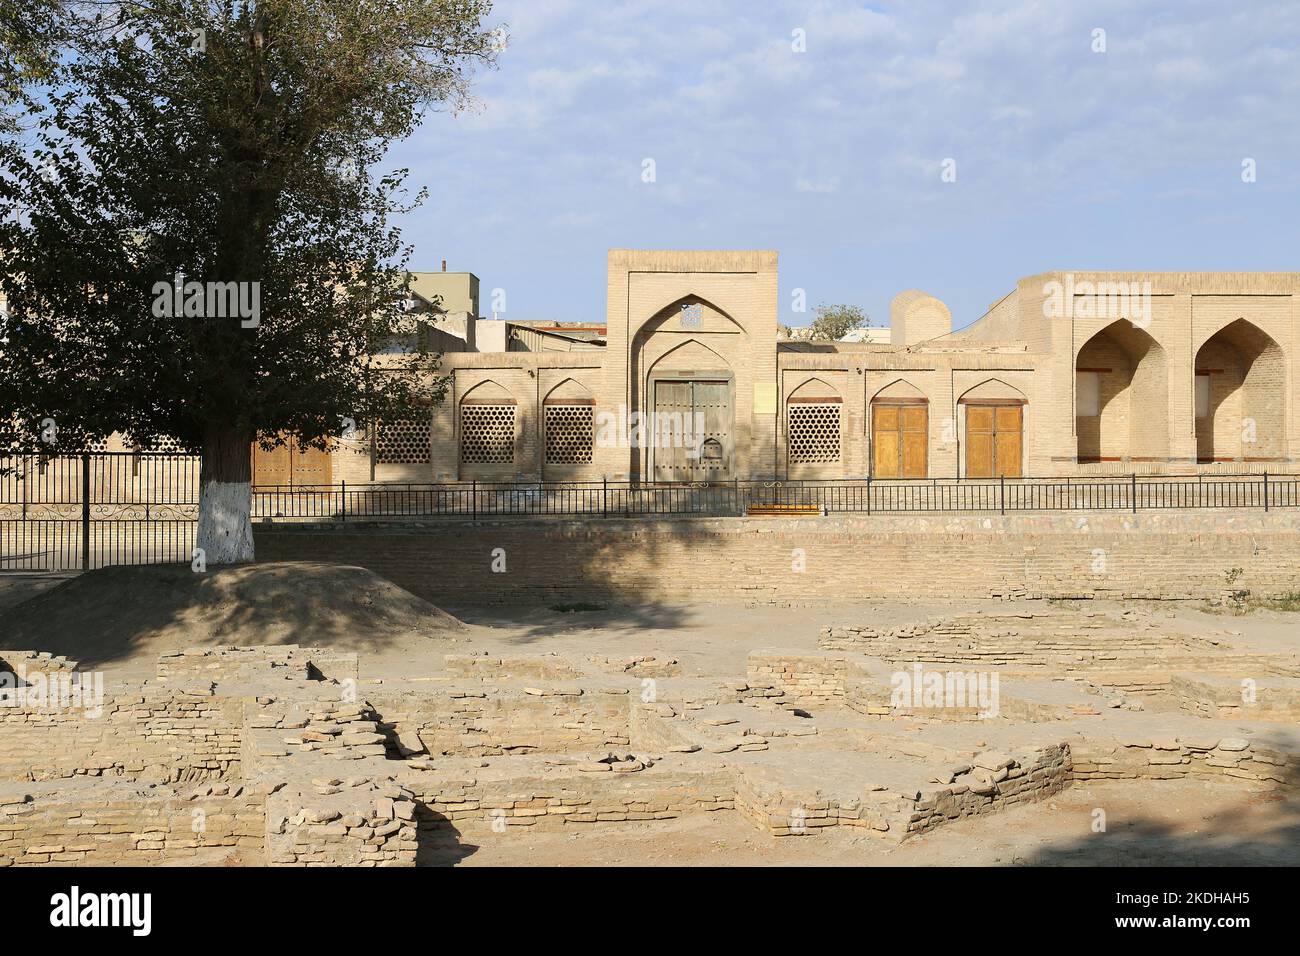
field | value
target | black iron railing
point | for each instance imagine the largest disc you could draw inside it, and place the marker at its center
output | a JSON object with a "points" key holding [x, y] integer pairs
{"points": [[76, 512], [97, 509], [482, 499]]}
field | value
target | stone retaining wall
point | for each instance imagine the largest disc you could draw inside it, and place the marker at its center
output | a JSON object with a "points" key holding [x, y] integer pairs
{"points": [[124, 825], [1166, 554], [496, 721], [158, 736], [1230, 700], [228, 664], [1171, 759]]}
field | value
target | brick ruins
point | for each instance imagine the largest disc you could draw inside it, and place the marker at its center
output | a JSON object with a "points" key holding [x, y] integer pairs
{"points": [[283, 755]]}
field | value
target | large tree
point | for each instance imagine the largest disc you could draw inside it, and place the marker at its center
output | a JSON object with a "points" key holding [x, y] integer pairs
{"points": [[32, 33], [197, 247]]}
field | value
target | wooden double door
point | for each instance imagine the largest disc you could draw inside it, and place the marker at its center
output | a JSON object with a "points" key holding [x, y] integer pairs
{"points": [[900, 440], [690, 434], [289, 466], [994, 440]]}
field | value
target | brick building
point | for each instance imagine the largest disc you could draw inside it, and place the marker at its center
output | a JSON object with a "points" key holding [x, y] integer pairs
{"points": [[1069, 373]]}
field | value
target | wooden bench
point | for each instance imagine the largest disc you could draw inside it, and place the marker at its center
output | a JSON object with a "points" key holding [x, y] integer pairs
{"points": [[783, 511]]}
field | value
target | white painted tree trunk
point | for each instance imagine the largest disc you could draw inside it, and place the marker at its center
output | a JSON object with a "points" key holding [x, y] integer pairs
{"points": [[225, 533]]}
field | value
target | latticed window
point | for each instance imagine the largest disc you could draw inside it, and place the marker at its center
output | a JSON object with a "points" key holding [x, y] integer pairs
{"points": [[403, 441], [163, 445], [569, 434], [814, 432], [487, 434]]}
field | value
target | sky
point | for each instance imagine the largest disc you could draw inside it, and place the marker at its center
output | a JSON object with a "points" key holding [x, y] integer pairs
{"points": [[953, 147]]}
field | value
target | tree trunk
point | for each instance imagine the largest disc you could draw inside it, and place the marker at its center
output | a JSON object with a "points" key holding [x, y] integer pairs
{"points": [[225, 533]]}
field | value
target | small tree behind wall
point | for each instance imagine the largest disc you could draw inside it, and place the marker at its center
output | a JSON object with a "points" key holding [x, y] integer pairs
{"points": [[832, 322]]}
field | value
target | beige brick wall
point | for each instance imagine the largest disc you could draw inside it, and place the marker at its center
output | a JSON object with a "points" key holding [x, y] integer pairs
{"points": [[1161, 555], [1246, 324]]}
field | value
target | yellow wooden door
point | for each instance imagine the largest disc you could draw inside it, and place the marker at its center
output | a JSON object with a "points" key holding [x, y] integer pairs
{"points": [[1007, 422], [272, 467], [915, 439], [288, 466], [886, 440], [311, 467], [900, 440], [994, 441]]}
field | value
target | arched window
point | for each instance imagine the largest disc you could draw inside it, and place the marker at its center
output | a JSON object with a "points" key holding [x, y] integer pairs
{"points": [[813, 423], [568, 413], [487, 426]]}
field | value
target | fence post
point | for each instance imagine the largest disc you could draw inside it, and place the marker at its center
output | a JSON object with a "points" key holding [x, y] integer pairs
{"points": [[1266, 491], [343, 495], [473, 496], [1002, 494], [85, 511], [1133, 492], [868, 494], [604, 496]]}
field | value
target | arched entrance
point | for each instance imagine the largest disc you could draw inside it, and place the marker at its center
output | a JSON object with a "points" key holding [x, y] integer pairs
{"points": [[900, 432], [1121, 392], [684, 364], [1240, 396], [688, 434], [993, 430]]}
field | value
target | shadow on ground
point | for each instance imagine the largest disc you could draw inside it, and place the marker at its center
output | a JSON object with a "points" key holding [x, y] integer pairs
{"points": [[439, 841], [610, 618], [1240, 835], [116, 613]]}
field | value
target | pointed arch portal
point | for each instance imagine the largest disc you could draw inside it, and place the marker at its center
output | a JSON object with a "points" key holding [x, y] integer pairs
{"points": [[1121, 397], [1240, 396], [900, 432]]}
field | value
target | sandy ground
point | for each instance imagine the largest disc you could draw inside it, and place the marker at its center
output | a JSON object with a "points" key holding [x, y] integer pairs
{"points": [[1148, 823], [119, 619], [1174, 823], [708, 640]]}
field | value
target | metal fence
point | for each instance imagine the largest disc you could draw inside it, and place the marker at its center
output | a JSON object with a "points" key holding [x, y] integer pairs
{"points": [[483, 499], [93, 510], [90, 511]]}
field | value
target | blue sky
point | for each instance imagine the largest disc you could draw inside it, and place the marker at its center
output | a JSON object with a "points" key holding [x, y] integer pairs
{"points": [[1065, 158]]}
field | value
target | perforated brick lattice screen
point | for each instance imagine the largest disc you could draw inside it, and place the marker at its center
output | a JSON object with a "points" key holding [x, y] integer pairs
{"points": [[160, 446], [568, 434], [814, 433], [403, 441], [487, 434]]}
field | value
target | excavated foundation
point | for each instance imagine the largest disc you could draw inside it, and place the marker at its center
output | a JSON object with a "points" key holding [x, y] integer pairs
{"points": [[285, 755]]}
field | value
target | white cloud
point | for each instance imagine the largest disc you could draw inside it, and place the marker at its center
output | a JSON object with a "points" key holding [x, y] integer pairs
{"points": [[750, 136]]}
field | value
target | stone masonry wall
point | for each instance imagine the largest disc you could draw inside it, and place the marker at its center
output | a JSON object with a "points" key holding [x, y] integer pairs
{"points": [[246, 663], [1224, 699], [801, 675], [469, 722], [1174, 555], [123, 824], [1172, 759], [158, 737]]}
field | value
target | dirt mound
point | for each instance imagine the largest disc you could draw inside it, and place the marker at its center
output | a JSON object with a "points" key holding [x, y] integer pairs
{"points": [[119, 613]]}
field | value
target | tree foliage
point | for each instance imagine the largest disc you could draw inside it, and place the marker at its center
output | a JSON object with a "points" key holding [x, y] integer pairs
{"points": [[224, 142], [31, 34], [832, 322]]}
